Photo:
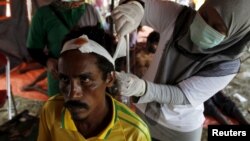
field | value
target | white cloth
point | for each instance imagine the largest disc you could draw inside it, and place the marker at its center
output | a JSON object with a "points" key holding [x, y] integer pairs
{"points": [[86, 45], [186, 118], [198, 89], [182, 118]]}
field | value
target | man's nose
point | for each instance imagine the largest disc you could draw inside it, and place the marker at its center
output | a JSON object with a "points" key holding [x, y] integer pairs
{"points": [[75, 90]]}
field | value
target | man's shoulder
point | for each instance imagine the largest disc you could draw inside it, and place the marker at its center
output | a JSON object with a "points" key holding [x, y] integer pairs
{"points": [[54, 102], [131, 121], [124, 110], [126, 115]]}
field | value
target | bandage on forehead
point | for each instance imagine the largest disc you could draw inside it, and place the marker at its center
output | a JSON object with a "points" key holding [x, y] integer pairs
{"points": [[86, 45]]}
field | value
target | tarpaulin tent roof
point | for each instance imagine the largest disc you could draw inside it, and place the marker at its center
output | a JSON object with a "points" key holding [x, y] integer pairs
{"points": [[13, 32]]}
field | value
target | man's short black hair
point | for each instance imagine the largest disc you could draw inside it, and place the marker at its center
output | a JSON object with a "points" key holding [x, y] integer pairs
{"points": [[98, 35]]}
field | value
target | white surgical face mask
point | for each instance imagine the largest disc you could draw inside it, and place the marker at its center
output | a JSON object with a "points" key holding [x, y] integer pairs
{"points": [[203, 35]]}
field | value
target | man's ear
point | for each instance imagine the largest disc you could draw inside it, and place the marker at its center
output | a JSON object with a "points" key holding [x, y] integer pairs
{"points": [[110, 79]]}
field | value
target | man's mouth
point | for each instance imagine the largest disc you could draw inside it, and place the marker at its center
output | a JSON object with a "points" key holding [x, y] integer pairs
{"points": [[76, 105]]}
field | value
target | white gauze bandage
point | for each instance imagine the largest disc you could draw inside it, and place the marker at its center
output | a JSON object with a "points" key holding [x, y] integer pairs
{"points": [[85, 45]]}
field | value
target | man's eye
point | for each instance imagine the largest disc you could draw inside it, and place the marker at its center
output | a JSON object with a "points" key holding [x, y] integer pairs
{"points": [[64, 79], [84, 80]]}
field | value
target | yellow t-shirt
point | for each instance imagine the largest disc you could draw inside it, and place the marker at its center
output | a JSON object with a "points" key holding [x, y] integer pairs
{"points": [[56, 124]]}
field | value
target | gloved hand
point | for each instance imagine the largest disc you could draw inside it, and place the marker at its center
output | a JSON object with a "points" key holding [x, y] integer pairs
{"points": [[127, 17], [130, 85]]}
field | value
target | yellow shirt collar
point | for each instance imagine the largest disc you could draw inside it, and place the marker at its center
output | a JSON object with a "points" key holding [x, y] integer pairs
{"points": [[68, 124]]}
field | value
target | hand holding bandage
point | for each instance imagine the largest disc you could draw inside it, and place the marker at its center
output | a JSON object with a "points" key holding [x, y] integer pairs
{"points": [[130, 85], [127, 17]]}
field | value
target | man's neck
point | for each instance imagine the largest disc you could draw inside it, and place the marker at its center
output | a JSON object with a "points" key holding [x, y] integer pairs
{"points": [[97, 121]]}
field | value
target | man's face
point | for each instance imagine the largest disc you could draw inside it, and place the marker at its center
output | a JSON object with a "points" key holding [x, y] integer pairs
{"points": [[81, 84]]}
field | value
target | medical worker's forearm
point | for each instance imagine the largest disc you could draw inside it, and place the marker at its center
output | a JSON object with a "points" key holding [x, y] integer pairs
{"points": [[165, 94]]}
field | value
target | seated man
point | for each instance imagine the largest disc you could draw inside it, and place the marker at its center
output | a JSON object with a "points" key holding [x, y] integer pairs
{"points": [[84, 110]]}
